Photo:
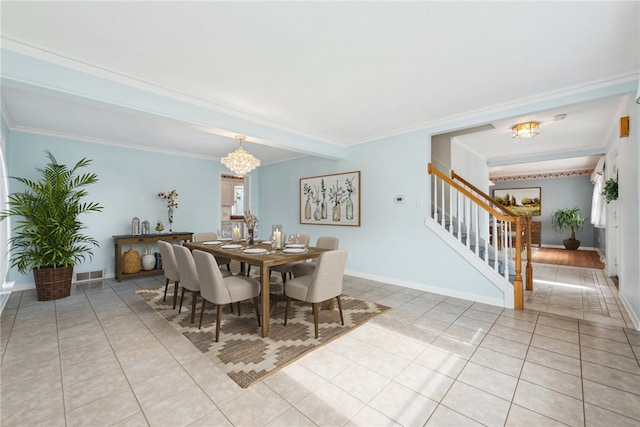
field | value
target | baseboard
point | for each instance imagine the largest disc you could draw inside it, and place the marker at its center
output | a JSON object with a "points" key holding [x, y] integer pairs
{"points": [[630, 312], [585, 248]]}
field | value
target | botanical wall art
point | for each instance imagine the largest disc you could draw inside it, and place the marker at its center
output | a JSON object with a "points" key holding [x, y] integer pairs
{"points": [[330, 199], [520, 201]]}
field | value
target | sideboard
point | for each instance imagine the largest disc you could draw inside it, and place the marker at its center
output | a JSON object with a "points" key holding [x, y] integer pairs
{"points": [[130, 239]]}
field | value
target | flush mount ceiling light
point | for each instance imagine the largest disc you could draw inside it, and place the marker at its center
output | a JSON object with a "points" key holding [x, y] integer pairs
{"points": [[525, 130], [240, 162]]}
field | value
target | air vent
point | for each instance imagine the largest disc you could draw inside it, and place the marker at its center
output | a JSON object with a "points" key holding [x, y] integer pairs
{"points": [[88, 276]]}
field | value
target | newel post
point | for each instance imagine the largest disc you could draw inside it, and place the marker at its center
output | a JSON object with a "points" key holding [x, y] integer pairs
{"points": [[518, 294]]}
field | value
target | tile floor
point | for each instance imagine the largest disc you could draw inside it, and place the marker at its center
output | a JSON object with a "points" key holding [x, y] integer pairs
{"points": [[102, 357]]}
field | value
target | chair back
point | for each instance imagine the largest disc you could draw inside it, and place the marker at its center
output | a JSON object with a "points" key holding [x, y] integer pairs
{"points": [[304, 239], [326, 282], [326, 242], [169, 264], [187, 268], [212, 285], [204, 236]]}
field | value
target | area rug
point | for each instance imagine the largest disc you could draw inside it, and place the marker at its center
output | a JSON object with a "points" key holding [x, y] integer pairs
{"points": [[579, 258], [241, 352]]}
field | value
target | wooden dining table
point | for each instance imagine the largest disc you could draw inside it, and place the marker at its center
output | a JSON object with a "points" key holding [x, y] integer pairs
{"points": [[264, 260]]}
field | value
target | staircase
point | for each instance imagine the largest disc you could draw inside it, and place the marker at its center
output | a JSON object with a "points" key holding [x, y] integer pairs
{"points": [[482, 231]]}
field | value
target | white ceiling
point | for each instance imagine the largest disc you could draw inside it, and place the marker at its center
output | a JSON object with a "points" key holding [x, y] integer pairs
{"points": [[336, 72]]}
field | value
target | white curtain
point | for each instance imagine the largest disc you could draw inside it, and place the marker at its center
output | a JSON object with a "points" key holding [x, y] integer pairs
{"points": [[598, 211]]}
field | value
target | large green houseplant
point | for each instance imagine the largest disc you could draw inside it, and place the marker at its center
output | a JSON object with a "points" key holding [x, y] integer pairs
{"points": [[47, 235], [568, 219]]}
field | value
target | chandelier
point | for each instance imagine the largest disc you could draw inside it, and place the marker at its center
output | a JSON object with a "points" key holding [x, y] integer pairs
{"points": [[240, 162], [525, 130]]}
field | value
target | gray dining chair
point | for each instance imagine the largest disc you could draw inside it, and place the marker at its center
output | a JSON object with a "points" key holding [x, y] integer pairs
{"points": [[170, 268], [207, 236], [324, 284], [189, 279], [304, 268], [223, 290], [285, 269]]}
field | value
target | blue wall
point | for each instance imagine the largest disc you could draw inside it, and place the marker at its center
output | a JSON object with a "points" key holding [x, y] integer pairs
{"points": [[559, 193]]}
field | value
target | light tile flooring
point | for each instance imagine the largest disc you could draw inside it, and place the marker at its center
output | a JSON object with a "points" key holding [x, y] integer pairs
{"points": [[102, 357]]}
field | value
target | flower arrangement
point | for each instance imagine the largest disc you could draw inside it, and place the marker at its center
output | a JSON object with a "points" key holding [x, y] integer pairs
{"points": [[172, 204], [250, 220]]}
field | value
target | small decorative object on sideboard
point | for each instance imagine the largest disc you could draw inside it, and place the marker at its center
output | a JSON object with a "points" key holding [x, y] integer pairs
{"points": [[148, 259], [145, 227], [135, 226], [159, 227], [131, 261], [172, 203]]}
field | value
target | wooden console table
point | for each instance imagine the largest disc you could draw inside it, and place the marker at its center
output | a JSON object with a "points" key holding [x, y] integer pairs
{"points": [[130, 239]]}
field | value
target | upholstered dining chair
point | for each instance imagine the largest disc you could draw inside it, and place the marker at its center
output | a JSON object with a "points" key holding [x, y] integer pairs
{"points": [[324, 284], [170, 268], [223, 290], [304, 268], [207, 236], [189, 279], [285, 269]]}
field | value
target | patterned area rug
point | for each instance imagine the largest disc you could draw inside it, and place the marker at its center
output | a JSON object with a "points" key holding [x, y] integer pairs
{"points": [[241, 352]]}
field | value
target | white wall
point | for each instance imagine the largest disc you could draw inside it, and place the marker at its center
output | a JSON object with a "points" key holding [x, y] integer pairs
{"points": [[629, 212]]}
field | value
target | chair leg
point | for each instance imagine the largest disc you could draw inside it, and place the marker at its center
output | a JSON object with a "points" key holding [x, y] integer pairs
{"points": [[255, 303], [315, 317], [218, 318], [204, 302], [194, 301], [284, 277], [229, 267], [286, 311], [166, 286], [248, 269], [340, 308], [175, 294], [181, 299]]}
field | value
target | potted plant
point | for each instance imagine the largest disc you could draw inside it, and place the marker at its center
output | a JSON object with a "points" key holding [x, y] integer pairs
{"points": [[568, 219], [610, 190], [47, 235]]}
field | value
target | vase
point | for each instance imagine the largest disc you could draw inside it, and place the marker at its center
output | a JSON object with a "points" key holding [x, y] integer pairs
{"points": [[336, 212], [323, 209], [250, 236], [170, 220], [148, 262], [349, 209], [317, 215], [307, 210]]}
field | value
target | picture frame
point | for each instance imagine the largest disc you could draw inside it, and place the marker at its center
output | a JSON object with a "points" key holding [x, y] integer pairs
{"points": [[520, 201], [331, 199]]}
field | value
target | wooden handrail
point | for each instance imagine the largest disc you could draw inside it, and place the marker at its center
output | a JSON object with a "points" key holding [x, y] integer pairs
{"points": [[509, 217], [518, 292], [485, 196]]}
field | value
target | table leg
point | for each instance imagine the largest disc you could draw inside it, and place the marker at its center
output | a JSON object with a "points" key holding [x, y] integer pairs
{"points": [[266, 310]]}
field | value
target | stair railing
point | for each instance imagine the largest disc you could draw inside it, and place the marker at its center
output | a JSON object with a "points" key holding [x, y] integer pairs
{"points": [[474, 223], [491, 202]]}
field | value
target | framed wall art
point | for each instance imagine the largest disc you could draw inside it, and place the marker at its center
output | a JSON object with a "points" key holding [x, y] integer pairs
{"points": [[520, 201], [331, 199]]}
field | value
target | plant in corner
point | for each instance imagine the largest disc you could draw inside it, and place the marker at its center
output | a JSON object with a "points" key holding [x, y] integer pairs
{"points": [[610, 190], [568, 219], [47, 235]]}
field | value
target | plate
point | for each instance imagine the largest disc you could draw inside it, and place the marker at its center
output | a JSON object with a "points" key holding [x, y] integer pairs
{"points": [[230, 246], [255, 251], [213, 242], [294, 251], [295, 245]]}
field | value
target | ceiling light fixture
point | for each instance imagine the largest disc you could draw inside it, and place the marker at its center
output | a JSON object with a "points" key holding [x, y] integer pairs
{"points": [[525, 130], [240, 162]]}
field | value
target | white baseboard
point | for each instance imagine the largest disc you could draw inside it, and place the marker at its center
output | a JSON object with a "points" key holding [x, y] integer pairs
{"points": [[632, 314]]}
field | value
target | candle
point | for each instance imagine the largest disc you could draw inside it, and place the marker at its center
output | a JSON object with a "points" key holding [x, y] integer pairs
{"points": [[236, 234], [277, 238]]}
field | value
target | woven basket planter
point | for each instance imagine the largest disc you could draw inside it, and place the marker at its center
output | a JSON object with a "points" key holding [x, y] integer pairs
{"points": [[131, 262], [53, 282]]}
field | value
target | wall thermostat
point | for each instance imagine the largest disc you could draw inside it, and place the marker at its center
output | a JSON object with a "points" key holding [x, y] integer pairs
{"points": [[398, 199]]}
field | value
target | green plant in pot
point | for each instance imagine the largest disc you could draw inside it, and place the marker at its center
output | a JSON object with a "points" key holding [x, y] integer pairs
{"points": [[47, 235], [610, 190], [568, 219]]}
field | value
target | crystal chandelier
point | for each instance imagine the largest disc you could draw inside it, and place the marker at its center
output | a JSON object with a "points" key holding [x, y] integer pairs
{"points": [[240, 162]]}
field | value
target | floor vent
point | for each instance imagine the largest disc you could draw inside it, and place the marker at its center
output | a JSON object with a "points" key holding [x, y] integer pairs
{"points": [[89, 275]]}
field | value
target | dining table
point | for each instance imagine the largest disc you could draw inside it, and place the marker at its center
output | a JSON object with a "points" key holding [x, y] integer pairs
{"points": [[260, 254]]}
